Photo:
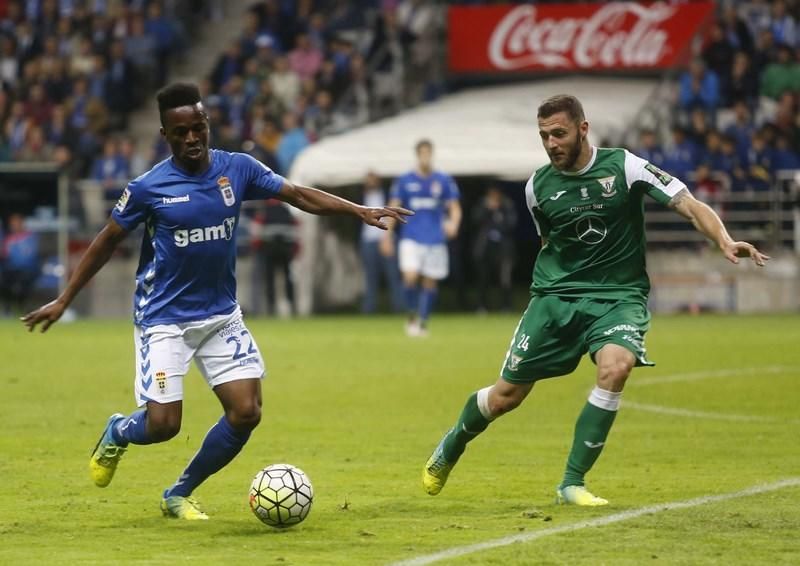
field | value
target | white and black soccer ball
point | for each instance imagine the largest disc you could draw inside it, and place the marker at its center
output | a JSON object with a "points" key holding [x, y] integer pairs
{"points": [[281, 495]]}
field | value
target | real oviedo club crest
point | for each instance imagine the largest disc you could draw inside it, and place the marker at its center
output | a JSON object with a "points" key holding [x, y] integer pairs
{"points": [[226, 190]]}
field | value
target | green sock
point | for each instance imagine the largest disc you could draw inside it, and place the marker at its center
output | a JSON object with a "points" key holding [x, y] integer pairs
{"points": [[470, 424], [591, 431]]}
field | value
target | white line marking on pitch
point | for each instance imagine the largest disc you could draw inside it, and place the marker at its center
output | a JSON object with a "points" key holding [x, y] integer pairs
{"points": [[599, 522], [700, 375], [703, 414]]}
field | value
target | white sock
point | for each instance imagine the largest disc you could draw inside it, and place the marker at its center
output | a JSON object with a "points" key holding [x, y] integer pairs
{"points": [[608, 400], [483, 403]]}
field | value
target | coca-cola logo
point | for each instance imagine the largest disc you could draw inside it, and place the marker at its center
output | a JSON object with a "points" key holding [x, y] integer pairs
{"points": [[607, 38]]}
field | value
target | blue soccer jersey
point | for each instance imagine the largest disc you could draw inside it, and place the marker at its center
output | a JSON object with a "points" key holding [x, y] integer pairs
{"points": [[187, 265], [428, 197]]}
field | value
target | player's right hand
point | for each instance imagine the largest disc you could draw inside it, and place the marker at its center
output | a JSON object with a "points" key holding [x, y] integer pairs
{"points": [[46, 314]]}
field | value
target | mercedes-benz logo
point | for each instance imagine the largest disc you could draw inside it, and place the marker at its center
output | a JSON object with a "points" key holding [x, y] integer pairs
{"points": [[591, 230]]}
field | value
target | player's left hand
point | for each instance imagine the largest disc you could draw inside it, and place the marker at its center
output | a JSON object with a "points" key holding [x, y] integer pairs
{"points": [[372, 216], [734, 250]]}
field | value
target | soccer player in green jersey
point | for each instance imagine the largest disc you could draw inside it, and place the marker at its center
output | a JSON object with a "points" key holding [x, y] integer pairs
{"points": [[589, 291]]}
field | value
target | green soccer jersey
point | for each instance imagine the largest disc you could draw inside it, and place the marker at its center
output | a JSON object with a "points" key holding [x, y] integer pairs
{"points": [[593, 223]]}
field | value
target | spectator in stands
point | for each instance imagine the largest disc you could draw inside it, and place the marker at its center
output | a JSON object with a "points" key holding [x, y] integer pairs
{"points": [[649, 148], [743, 83], [781, 76], [385, 55], [269, 138], [57, 130], [111, 169], [712, 152], [679, 157], [19, 258], [305, 59], [707, 188], [142, 50], [731, 167], [9, 64], [736, 30], [417, 22], [167, 38], [699, 88], [758, 163], [319, 115], [493, 222], [742, 127], [354, 105], [698, 127], [121, 92], [293, 141], [285, 82], [236, 103], [782, 24], [765, 52], [785, 118], [228, 64], [16, 127], [35, 147], [784, 157], [57, 82], [376, 265], [330, 80], [37, 106], [718, 53], [82, 61]]}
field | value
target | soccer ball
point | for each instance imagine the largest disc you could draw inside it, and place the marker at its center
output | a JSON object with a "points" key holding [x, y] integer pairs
{"points": [[281, 495]]}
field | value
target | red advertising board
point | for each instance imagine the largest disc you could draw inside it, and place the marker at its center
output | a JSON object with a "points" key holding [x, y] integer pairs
{"points": [[572, 37]]}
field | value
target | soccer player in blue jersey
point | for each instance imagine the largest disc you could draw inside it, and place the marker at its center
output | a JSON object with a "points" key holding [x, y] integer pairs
{"points": [[185, 301], [422, 250]]}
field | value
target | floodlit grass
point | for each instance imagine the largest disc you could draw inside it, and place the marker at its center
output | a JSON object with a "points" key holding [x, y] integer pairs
{"points": [[359, 407]]}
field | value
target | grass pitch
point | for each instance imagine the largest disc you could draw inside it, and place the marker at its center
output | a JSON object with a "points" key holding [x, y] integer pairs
{"points": [[359, 407]]}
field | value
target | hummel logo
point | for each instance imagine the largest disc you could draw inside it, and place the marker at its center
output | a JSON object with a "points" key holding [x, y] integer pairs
{"points": [[593, 444], [557, 195]]}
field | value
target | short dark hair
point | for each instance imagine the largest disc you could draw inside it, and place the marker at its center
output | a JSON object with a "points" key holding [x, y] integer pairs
{"points": [[175, 96], [425, 142], [562, 103]]}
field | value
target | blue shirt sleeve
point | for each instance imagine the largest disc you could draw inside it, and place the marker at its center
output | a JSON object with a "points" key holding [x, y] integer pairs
{"points": [[451, 189], [262, 182], [131, 208]]}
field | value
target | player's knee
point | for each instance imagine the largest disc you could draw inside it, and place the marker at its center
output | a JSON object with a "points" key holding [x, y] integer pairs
{"points": [[502, 403], [613, 373], [161, 428], [246, 416]]}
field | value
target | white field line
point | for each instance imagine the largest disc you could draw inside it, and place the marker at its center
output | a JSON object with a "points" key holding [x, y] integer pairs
{"points": [[700, 375], [599, 522], [658, 409]]}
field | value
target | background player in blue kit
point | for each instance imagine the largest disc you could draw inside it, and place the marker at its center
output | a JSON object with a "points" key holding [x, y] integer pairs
{"points": [[433, 195], [185, 301]]}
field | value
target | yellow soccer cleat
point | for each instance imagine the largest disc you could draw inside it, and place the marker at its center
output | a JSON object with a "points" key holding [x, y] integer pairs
{"points": [[179, 507], [106, 455], [578, 495], [435, 472]]}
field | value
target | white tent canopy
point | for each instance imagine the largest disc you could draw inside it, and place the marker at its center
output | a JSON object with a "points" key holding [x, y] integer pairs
{"points": [[487, 131]]}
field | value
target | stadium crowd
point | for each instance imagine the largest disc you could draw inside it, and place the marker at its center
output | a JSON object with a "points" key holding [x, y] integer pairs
{"points": [[72, 72], [737, 121]]}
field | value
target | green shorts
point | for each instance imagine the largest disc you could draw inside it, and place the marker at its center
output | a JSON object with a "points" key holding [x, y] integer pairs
{"points": [[555, 332]]}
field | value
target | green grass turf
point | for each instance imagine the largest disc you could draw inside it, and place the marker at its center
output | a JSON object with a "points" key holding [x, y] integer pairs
{"points": [[359, 407]]}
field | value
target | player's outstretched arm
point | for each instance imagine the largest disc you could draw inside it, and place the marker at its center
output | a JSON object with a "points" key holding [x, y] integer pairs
{"points": [[319, 202], [96, 257], [709, 223]]}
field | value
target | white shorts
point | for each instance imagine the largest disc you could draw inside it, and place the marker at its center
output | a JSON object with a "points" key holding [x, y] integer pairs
{"points": [[428, 260], [222, 347]]}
